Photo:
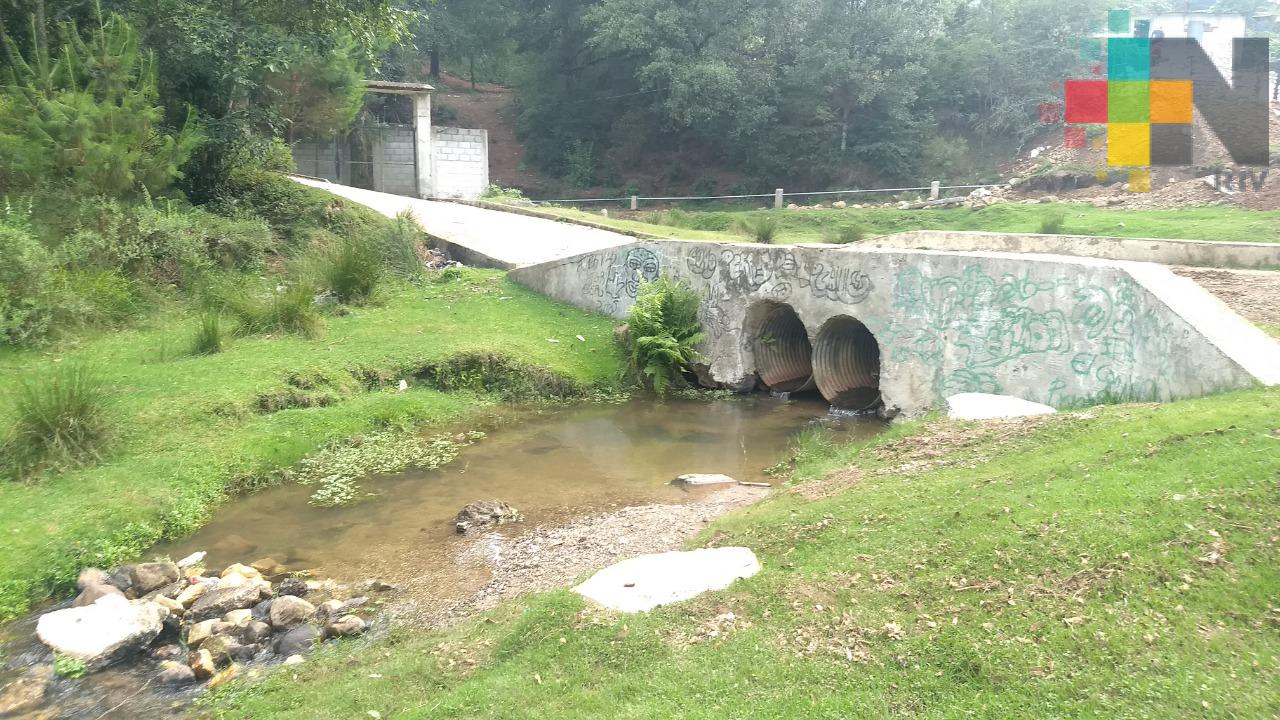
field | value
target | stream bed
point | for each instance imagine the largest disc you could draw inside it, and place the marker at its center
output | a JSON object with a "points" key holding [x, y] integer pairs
{"points": [[555, 466]]}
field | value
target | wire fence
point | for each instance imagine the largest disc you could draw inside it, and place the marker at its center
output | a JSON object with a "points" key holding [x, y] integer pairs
{"points": [[778, 195]]}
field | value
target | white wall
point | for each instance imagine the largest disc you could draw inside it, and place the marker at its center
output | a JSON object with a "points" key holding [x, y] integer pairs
{"points": [[460, 157], [1215, 33]]}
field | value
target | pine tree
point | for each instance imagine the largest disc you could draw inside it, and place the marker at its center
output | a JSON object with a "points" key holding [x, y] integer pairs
{"points": [[87, 113]]}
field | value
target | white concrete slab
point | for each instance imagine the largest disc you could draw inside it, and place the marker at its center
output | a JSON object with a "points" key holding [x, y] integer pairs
{"points": [[983, 406], [503, 239], [643, 583]]}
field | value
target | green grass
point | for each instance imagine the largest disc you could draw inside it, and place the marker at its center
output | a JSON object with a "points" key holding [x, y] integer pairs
{"points": [[811, 226], [1119, 565], [192, 428]]}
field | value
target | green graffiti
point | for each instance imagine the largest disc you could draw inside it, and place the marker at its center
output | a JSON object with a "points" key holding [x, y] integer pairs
{"points": [[973, 327]]}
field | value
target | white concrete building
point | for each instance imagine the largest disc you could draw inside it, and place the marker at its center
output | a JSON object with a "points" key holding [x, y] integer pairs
{"points": [[410, 158]]}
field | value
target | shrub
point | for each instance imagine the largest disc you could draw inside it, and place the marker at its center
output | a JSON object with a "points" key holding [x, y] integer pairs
{"points": [[401, 241], [25, 269], [350, 269], [63, 419], [664, 332], [762, 229], [844, 234], [288, 309], [235, 243], [140, 242], [210, 336], [501, 194], [1051, 223]]}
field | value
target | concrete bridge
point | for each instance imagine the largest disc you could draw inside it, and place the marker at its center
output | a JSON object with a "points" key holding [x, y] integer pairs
{"points": [[908, 319], [911, 327]]}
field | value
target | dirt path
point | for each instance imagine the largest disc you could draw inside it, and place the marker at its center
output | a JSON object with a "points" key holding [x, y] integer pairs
{"points": [[1253, 294]]}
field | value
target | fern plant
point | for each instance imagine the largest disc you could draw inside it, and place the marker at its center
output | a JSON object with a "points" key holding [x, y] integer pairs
{"points": [[665, 332]]}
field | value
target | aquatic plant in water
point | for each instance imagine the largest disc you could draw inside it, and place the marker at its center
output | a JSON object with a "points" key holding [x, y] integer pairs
{"points": [[336, 470]]}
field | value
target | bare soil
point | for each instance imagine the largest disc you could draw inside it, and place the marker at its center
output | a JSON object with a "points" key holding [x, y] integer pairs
{"points": [[517, 562], [1253, 294]]}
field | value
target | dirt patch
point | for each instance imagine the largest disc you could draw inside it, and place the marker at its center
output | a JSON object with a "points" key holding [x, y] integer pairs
{"points": [[1254, 294], [942, 443], [552, 557]]}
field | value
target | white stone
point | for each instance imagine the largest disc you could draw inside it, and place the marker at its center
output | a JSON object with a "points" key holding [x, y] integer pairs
{"points": [[704, 479], [103, 632], [192, 560], [643, 583], [982, 406]]}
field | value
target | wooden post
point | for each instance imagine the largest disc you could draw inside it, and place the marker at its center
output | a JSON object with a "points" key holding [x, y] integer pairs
{"points": [[934, 189], [635, 203], [777, 199]]}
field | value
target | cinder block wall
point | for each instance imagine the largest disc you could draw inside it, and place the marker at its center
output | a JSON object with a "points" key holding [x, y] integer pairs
{"points": [[317, 159], [461, 160], [398, 173]]}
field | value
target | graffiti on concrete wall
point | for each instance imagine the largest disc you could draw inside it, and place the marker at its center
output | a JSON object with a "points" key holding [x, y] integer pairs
{"points": [[609, 280], [972, 326], [776, 273]]}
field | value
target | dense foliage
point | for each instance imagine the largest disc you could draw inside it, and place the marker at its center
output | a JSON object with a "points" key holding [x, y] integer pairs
{"points": [[803, 92], [664, 332]]}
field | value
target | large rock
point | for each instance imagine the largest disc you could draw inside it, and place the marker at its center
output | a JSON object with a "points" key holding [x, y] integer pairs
{"points": [[224, 649], [347, 626], [483, 514], [297, 641], [202, 664], [175, 673], [102, 633], [982, 406], [216, 603], [292, 586], [288, 611], [153, 576], [643, 583], [26, 693], [91, 594]]}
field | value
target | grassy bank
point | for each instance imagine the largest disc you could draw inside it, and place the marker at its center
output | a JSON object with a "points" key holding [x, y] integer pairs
{"points": [[801, 226], [1119, 564], [191, 428]]}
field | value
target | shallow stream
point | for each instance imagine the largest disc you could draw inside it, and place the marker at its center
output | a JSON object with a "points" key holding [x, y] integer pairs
{"points": [[553, 465]]}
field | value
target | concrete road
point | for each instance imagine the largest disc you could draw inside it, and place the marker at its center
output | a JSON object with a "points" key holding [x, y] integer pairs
{"points": [[485, 237]]}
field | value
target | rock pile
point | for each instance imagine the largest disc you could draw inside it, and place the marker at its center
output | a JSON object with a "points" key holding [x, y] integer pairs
{"points": [[199, 626], [485, 514]]}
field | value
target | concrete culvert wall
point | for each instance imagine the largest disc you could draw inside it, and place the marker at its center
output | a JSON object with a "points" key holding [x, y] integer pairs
{"points": [[846, 364], [783, 355]]}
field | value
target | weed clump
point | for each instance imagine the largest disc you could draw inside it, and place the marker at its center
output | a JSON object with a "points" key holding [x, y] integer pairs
{"points": [[761, 229], [1051, 223], [844, 234], [351, 269], [664, 331], [289, 309], [63, 420], [211, 335]]}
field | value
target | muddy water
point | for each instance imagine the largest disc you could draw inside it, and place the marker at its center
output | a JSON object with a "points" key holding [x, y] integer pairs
{"points": [[552, 465]]}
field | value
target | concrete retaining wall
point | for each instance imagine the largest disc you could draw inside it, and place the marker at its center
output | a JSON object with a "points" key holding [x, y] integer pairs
{"points": [[1062, 331], [461, 162], [1166, 252]]}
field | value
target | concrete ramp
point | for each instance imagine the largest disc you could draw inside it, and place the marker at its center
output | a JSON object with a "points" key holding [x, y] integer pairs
{"points": [[912, 327], [487, 238]]}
